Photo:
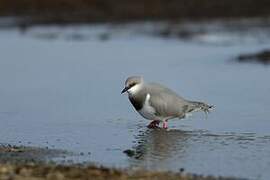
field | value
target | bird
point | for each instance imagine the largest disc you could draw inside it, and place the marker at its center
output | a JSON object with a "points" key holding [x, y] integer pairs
{"points": [[158, 103]]}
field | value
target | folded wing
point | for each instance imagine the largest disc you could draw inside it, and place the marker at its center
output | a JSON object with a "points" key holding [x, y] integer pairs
{"points": [[166, 102]]}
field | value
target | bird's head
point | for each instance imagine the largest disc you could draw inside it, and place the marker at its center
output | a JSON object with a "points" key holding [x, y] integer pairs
{"points": [[132, 84]]}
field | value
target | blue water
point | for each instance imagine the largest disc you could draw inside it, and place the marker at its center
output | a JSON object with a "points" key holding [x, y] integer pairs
{"points": [[65, 93]]}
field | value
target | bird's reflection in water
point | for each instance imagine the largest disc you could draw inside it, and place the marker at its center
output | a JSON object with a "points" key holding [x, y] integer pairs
{"points": [[157, 147]]}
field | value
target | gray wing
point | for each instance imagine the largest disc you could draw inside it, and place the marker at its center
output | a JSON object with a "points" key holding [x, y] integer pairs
{"points": [[166, 102]]}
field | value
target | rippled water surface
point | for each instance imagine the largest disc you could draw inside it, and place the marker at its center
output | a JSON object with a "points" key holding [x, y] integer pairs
{"points": [[60, 88]]}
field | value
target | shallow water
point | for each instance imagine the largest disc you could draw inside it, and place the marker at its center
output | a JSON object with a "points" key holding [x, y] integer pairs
{"points": [[61, 92]]}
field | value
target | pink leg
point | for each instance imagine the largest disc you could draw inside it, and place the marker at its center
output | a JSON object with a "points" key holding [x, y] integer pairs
{"points": [[165, 124], [153, 124]]}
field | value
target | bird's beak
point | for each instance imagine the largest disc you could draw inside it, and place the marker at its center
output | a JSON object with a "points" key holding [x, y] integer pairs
{"points": [[124, 90]]}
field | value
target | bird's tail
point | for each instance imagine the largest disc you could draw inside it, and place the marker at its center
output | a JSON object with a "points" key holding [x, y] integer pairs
{"points": [[200, 106]]}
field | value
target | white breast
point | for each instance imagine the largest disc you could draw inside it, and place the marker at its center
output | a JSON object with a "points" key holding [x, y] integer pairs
{"points": [[147, 110]]}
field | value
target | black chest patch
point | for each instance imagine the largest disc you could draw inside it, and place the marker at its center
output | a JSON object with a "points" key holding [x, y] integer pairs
{"points": [[137, 102]]}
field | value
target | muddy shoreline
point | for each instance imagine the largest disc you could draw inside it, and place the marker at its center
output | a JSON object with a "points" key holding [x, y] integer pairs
{"points": [[59, 172], [262, 57], [22, 162], [89, 11]]}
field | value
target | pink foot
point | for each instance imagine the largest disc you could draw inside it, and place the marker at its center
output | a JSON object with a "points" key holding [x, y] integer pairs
{"points": [[165, 124], [154, 124]]}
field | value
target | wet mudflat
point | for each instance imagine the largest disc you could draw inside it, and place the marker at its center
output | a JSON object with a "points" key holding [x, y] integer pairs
{"points": [[27, 154], [60, 88]]}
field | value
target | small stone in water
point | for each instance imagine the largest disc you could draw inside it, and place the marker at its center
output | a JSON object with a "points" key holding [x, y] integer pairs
{"points": [[129, 152]]}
